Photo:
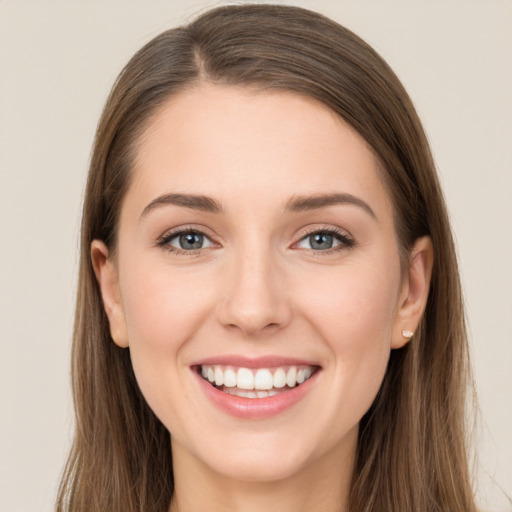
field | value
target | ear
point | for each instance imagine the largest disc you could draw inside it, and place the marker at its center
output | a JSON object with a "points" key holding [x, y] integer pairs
{"points": [[107, 277], [414, 292]]}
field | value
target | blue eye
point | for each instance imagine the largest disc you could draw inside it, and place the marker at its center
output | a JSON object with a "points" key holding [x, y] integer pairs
{"points": [[190, 241], [324, 240], [186, 241], [321, 241]]}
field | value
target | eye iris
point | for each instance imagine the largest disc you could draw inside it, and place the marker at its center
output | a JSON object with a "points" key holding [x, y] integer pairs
{"points": [[191, 241], [321, 241]]}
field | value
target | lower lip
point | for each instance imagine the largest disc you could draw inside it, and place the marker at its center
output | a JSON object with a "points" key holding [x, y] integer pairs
{"points": [[256, 408]]}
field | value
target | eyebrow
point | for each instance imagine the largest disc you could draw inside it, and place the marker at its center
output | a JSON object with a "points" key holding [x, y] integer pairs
{"points": [[192, 201], [317, 201], [296, 204]]}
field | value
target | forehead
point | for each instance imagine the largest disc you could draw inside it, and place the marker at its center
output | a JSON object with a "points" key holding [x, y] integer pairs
{"points": [[233, 143]]}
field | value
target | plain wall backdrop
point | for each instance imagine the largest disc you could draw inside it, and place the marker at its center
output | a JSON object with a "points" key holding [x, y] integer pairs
{"points": [[58, 60]]}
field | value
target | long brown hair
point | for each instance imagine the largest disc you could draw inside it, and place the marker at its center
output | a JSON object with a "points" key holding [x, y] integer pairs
{"points": [[412, 442]]}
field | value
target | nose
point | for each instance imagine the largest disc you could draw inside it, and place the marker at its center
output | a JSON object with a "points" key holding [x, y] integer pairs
{"points": [[254, 299]]}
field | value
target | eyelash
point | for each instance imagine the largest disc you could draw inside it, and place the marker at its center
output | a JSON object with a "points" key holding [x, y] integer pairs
{"points": [[346, 242], [165, 240]]}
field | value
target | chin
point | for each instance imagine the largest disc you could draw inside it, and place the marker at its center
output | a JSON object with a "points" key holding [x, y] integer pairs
{"points": [[258, 466], [266, 457]]}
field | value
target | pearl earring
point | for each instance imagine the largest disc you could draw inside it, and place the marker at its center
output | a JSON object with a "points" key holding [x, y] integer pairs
{"points": [[407, 334]]}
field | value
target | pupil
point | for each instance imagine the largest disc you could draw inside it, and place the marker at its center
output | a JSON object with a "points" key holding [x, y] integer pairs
{"points": [[321, 241], [191, 241]]}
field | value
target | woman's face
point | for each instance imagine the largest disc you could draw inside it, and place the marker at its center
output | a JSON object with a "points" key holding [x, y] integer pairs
{"points": [[256, 248]]}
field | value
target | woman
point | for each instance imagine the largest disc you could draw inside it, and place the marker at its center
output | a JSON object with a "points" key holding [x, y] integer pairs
{"points": [[267, 275]]}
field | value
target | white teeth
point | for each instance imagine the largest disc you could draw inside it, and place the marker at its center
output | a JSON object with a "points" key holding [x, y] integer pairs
{"points": [[263, 380], [279, 378], [250, 394], [229, 378], [291, 377], [244, 379], [219, 376]]}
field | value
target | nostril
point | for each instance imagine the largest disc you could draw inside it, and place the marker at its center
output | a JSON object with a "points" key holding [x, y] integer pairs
{"points": [[254, 328]]}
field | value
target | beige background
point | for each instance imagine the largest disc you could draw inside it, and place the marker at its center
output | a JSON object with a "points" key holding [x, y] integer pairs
{"points": [[58, 60]]}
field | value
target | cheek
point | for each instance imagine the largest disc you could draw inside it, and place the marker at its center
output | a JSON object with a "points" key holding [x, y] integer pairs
{"points": [[163, 310], [162, 307], [354, 305], [354, 311]]}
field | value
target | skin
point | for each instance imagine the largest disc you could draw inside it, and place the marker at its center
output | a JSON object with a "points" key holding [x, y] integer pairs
{"points": [[258, 288]]}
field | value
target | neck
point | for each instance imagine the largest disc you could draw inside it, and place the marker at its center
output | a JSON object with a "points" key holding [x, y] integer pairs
{"points": [[323, 484]]}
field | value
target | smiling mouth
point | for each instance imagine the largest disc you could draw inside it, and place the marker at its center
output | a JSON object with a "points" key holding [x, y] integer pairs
{"points": [[256, 382]]}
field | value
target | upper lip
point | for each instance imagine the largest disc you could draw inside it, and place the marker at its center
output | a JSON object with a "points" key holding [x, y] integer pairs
{"points": [[254, 362]]}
